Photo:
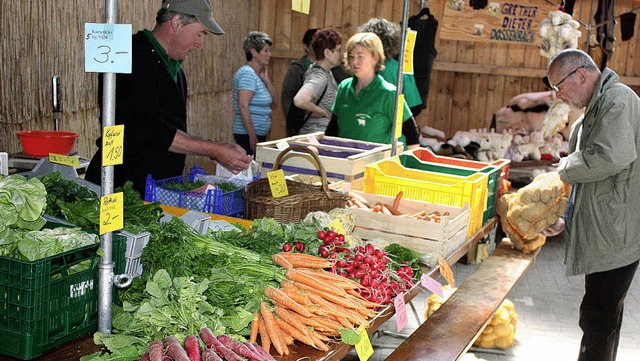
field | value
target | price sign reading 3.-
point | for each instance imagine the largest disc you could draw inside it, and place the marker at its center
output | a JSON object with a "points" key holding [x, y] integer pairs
{"points": [[107, 48], [112, 145]]}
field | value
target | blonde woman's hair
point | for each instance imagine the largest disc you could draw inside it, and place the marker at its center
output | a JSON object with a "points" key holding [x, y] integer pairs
{"points": [[369, 41]]}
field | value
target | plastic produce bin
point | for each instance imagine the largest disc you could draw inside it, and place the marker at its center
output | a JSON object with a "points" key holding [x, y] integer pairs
{"points": [[46, 303], [212, 201], [389, 177], [497, 171]]}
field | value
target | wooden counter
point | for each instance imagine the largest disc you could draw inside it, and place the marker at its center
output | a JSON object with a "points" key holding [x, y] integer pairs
{"points": [[449, 332], [73, 350]]}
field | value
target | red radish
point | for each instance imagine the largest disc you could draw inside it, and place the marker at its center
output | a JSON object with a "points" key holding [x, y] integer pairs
{"points": [[156, 349], [209, 355], [287, 247], [192, 346], [263, 352], [299, 246], [238, 347], [175, 350], [145, 357], [322, 234]]}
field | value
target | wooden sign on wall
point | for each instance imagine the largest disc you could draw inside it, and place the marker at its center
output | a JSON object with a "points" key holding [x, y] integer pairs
{"points": [[515, 21]]}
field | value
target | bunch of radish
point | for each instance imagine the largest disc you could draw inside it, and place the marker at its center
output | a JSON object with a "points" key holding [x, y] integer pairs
{"points": [[368, 265], [219, 348]]}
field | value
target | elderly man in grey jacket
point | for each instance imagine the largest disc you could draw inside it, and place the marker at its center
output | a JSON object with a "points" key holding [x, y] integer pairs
{"points": [[602, 231]]}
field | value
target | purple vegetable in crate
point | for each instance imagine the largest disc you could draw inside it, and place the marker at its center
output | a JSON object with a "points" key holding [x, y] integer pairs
{"points": [[175, 349], [209, 354], [260, 351], [238, 347]]}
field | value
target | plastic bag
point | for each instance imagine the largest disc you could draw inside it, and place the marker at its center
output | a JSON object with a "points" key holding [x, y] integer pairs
{"points": [[241, 179]]}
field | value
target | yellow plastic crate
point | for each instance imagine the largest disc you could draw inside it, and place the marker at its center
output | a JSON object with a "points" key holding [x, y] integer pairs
{"points": [[389, 177]]}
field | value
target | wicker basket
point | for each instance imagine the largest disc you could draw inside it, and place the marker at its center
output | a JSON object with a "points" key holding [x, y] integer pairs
{"points": [[302, 198]]}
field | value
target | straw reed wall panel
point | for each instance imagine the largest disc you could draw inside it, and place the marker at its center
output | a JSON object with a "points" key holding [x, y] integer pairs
{"points": [[45, 38], [470, 81]]}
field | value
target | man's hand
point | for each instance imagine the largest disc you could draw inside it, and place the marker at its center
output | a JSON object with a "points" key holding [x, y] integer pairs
{"points": [[233, 157], [555, 229]]}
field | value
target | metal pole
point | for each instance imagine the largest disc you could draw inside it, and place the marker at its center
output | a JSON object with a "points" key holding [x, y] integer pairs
{"points": [[403, 34], [106, 265]]}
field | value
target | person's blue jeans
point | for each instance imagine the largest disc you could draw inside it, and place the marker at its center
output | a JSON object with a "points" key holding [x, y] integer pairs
{"points": [[601, 312]]}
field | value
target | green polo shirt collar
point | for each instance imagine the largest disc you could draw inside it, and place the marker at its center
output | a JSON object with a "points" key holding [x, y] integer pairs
{"points": [[172, 65]]}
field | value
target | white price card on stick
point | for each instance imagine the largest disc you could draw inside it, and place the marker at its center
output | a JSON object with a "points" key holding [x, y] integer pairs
{"points": [[107, 48]]}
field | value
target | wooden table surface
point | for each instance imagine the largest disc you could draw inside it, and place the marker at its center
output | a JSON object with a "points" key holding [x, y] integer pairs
{"points": [[84, 345], [449, 332]]}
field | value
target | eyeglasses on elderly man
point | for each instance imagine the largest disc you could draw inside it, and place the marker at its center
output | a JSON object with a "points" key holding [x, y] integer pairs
{"points": [[556, 88]]}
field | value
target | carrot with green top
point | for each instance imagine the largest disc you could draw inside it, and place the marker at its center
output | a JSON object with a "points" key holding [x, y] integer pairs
{"points": [[265, 340], [280, 297], [255, 327], [305, 260], [273, 329], [313, 282]]}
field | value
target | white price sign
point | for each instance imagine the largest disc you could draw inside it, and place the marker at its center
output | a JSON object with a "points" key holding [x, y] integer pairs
{"points": [[107, 48]]}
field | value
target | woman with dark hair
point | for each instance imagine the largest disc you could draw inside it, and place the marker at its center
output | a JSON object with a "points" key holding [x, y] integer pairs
{"points": [[253, 93], [319, 89]]}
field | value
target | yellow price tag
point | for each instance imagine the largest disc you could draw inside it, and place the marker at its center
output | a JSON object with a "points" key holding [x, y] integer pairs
{"points": [[363, 347], [446, 272], [64, 160], [301, 6], [113, 145], [111, 213], [409, 44], [277, 183], [400, 116], [336, 225]]}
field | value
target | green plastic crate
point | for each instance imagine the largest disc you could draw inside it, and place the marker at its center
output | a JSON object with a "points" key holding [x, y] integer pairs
{"points": [[492, 172], [43, 305]]}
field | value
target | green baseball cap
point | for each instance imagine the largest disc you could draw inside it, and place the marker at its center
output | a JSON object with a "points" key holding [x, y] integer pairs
{"points": [[201, 9]]}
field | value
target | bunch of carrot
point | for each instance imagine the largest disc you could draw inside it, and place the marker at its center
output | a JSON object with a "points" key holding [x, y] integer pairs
{"points": [[310, 306]]}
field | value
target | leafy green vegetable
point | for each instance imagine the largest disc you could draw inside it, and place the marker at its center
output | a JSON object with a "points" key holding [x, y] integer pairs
{"points": [[400, 254], [80, 206], [22, 202], [171, 306], [36, 245]]}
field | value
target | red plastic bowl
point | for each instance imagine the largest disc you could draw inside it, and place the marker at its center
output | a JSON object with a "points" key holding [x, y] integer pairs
{"points": [[39, 143]]}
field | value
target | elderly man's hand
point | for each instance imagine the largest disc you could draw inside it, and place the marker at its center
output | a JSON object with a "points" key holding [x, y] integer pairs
{"points": [[555, 229]]}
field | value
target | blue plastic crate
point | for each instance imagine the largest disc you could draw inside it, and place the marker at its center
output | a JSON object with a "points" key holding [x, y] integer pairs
{"points": [[211, 201]]}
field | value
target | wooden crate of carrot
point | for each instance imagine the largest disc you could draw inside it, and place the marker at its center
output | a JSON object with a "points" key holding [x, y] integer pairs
{"points": [[422, 226]]}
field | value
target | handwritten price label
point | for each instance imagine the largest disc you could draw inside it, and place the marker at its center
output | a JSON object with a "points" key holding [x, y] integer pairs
{"points": [[363, 347], [64, 160], [409, 44], [277, 183], [113, 145], [446, 272], [432, 285], [111, 212], [107, 48], [401, 311], [301, 6]]}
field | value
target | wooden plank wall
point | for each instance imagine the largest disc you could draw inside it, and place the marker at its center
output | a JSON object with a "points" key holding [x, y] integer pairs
{"points": [[469, 83]]}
